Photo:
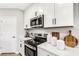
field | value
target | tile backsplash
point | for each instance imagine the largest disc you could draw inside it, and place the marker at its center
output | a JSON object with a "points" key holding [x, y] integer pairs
{"points": [[63, 31]]}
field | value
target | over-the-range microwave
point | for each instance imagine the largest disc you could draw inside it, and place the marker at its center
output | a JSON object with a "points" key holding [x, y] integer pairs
{"points": [[37, 22]]}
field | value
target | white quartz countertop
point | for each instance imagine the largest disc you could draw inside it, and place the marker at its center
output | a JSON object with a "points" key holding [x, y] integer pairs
{"points": [[52, 49]]}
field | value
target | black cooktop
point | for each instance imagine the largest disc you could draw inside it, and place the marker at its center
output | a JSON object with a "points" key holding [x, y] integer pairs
{"points": [[36, 41], [32, 42]]}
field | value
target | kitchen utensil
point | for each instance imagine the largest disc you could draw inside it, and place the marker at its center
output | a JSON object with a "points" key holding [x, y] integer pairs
{"points": [[70, 40]]}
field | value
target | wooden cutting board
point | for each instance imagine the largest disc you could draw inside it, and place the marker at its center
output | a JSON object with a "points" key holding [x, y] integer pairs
{"points": [[70, 40], [56, 34]]}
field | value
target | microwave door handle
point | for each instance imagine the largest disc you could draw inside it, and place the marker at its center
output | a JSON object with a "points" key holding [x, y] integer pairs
{"points": [[42, 20], [55, 20], [37, 20]]}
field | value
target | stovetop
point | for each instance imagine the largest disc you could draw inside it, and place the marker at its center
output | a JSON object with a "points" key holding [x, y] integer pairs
{"points": [[36, 40], [32, 42]]}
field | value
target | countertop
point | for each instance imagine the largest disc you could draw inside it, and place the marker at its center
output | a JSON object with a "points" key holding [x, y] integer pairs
{"points": [[66, 52], [27, 38]]}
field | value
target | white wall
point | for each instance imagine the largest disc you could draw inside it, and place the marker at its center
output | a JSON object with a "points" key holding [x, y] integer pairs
{"points": [[63, 31], [19, 30]]}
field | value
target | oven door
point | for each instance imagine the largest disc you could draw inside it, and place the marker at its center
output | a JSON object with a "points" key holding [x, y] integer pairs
{"points": [[29, 51]]}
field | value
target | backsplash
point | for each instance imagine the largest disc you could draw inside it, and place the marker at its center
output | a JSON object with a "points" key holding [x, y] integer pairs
{"points": [[63, 31]]}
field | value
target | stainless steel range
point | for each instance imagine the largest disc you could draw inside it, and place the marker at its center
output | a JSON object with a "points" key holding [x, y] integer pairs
{"points": [[31, 45]]}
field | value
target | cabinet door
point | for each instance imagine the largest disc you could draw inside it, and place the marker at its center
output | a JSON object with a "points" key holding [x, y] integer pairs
{"points": [[48, 15], [27, 17], [64, 14], [28, 14]]}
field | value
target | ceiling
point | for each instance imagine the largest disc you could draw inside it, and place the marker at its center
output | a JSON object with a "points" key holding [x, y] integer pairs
{"points": [[21, 6]]}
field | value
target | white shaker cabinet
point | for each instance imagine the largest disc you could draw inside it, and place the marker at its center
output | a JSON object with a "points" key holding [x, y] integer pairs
{"points": [[28, 14], [58, 15], [27, 17], [64, 14], [48, 10]]}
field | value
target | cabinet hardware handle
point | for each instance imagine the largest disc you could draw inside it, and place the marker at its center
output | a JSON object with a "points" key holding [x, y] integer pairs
{"points": [[52, 21], [55, 20]]}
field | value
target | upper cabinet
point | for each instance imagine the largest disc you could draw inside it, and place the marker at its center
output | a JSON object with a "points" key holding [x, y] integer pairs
{"points": [[48, 10], [61, 14], [28, 14], [64, 14], [27, 19], [55, 14]]}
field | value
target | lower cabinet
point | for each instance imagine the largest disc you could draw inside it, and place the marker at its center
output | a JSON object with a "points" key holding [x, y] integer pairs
{"points": [[42, 52]]}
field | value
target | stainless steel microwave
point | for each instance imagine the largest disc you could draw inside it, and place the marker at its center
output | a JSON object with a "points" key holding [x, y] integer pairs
{"points": [[37, 21]]}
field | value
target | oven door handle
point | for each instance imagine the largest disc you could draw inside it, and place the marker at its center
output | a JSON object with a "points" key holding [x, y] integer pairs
{"points": [[31, 47]]}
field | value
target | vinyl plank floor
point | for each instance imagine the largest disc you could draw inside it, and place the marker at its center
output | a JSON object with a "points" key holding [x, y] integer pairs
{"points": [[10, 54]]}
